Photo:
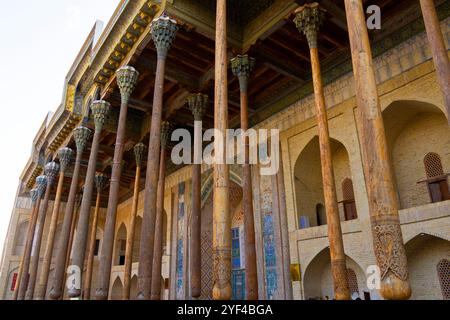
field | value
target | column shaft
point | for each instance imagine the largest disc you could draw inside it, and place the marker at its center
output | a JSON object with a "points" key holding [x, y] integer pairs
{"points": [[90, 260], [110, 224], [25, 265], [35, 253], [151, 182], [43, 280], [60, 263], [157, 257], [440, 54], [383, 203], [130, 237], [221, 206], [80, 237], [338, 265], [195, 258], [251, 276]]}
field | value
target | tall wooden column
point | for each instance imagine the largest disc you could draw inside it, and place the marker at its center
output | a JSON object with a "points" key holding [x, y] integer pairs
{"points": [[437, 44], [51, 171], [221, 205], [383, 203], [139, 154], [198, 103], [127, 78], [65, 156], [41, 185], [100, 112], [101, 181], [242, 66], [81, 136], [163, 33], [157, 256], [27, 250], [308, 20]]}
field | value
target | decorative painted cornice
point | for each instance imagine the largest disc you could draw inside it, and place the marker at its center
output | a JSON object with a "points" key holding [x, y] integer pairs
{"points": [[36, 172], [308, 20], [100, 111], [164, 30], [131, 33], [139, 153], [198, 103]]}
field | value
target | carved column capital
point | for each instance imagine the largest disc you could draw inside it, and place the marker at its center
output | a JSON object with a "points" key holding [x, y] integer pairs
{"points": [[65, 156], [165, 134], [100, 111], [81, 136], [34, 195], [51, 171], [127, 79], [308, 20], [101, 180], [139, 153], [198, 103], [164, 30], [41, 185], [242, 66]]}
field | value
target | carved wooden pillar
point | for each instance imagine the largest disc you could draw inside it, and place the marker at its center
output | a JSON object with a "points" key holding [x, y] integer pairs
{"points": [[383, 203], [51, 171], [41, 184], [28, 242], [163, 33], [81, 135], [437, 44], [221, 205], [308, 20], [139, 154], [242, 66], [100, 112], [158, 252], [101, 181], [127, 78], [198, 103], [65, 156]]}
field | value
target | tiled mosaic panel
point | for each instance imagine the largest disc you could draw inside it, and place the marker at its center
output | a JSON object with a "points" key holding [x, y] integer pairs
{"points": [[180, 244], [269, 256]]}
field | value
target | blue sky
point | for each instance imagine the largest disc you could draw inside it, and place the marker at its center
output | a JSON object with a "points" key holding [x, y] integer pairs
{"points": [[39, 41]]}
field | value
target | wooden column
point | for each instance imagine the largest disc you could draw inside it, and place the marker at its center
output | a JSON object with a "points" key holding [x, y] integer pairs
{"points": [[127, 78], [159, 231], [308, 20], [40, 189], [51, 171], [81, 135], [221, 205], [242, 66], [65, 156], [440, 54], [139, 154], [28, 242], [100, 112], [198, 103], [163, 33], [101, 181], [383, 203]]}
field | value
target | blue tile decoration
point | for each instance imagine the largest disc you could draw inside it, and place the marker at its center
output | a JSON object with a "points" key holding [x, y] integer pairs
{"points": [[270, 259], [238, 274], [180, 244]]}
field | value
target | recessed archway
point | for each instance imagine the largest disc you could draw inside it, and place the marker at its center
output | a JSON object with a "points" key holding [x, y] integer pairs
{"points": [[413, 130], [120, 246], [117, 290], [424, 253]]}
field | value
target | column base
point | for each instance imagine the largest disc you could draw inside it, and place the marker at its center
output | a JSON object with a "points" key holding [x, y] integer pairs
{"points": [[101, 294], [393, 288]]}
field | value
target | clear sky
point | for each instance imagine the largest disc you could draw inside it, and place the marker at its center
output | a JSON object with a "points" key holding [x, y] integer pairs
{"points": [[39, 42]]}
